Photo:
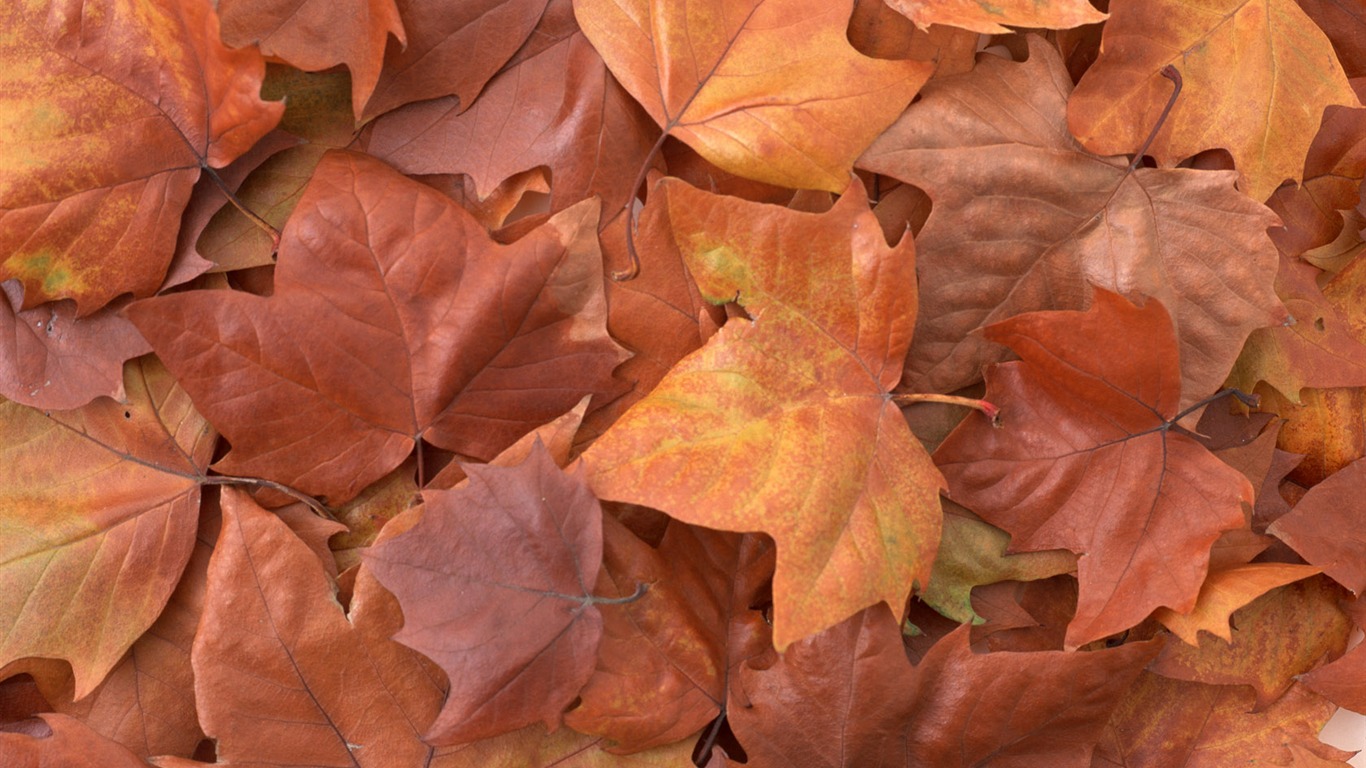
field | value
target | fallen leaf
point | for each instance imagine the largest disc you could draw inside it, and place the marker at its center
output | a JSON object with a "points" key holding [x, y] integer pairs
{"points": [[99, 509], [742, 435], [61, 741], [1087, 460], [1325, 528], [514, 554], [1225, 591], [988, 19], [282, 373], [1257, 77], [768, 89], [108, 111], [1024, 219]]}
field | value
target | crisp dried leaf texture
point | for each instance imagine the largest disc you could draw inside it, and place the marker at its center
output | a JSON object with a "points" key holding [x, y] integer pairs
{"points": [[1333, 171], [849, 697], [1325, 528], [513, 555], [557, 107], [108, 109], [668, 658], [282, 678], [1225, 591], [53, 360], [1277, 637], [60, 741], [1024, 219], [1317, 349], [98, 510], [452, 48], [394, 319], [315, 35], [1087, 461], [767, 89], [1257, 77], [1343, 681], [1164, 722], [989, 18], [744, 435]]}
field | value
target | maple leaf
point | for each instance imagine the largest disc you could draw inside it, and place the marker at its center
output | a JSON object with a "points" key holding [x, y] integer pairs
{"points": [[767, 89], [1257, 75], [1172, 722], [850, 697], [307, 35], [451, 49], [281, 676], [988, 19], [1333, 171], [385, 330], [514, 554], [1088, 461], [659, 678], [743, 435], [560, 89], [1024, 219], [99, 510], [1225, 591], [108, 111], [1325, 526]]}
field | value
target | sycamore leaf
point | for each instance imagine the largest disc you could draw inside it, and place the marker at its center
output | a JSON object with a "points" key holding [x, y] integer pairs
{"points": [[1225, 591], [1342, 22], [767, 89], [667, 659], [744, 435], [314, 36], [1024, 219], [1278, 636], [58, 741], [51, 359], [850, 697], [988, 18], [98, 509], [1164, 722], [1333, 172], [1343, 681], [282, 677], [451, 48], [1325, 528], [1087, 461], [108, 109], [1257, 77], [561, 90], [514, 555], [394, 319]]}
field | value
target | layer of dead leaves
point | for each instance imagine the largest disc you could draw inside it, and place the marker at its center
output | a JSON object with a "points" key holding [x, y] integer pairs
{"points": [[329, 438]]}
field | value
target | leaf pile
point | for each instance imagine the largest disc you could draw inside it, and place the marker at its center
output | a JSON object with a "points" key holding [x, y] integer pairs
{"points": [[551, 382]]}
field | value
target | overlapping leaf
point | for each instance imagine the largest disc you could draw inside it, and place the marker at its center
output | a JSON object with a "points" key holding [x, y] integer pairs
{"points": [[1257, 75], [744, 435], [1024, 219], [768, 89], [1326, 526], [394, 319], [989, 18], [108, 109], [1088, 461]]}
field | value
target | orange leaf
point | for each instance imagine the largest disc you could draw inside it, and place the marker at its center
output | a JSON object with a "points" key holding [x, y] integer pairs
{"points": [[1224, 592], [100, 507], [59, 740], [745, 435], [1325, 528], [1088, 461], [768, 89], [1257, 77], [107, 112], [394, 319], [988, 18]]}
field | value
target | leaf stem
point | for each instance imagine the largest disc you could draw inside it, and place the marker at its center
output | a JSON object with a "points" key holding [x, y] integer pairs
{"points": [[1173, 75], [991, 411], [633, 270], [1250, 401], [313, 504], [265, 226], [641, 589]]}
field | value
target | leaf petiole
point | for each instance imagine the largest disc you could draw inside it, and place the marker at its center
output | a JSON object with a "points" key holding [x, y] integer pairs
{"points": [[991, 411]]}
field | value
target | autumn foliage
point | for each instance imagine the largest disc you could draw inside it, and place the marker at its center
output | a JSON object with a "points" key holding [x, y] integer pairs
{"points": [[650, 383]]}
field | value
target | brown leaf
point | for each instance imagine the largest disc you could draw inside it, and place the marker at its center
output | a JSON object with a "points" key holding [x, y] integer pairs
{"points": [[1087, 461], [1225, 591], [1257, 79], [394, 319], [769, 89], [1024, 219], [512, 555], [1326, 527], [59, 741], [988, 19], [108, 112]]}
